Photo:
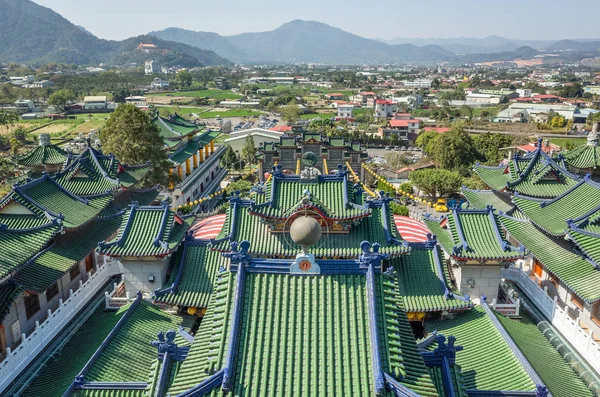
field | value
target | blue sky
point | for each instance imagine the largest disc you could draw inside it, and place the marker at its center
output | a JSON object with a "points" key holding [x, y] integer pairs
{"points": [[526, 19]]}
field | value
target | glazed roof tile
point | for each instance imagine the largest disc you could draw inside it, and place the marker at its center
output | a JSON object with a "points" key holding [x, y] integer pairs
{"points": [[560, 378], [43, 155], [59, 372], [585, 156], [327, 196], [68, 249], [420, 284], [198, 277], [146, 231], [480, 199], [18, 246], [536, 174], [487, 362], [587, 237], [130, 357], [552, 215], [248, 226], [558, 257], [473, 235], [43, 197], [90, 173]]}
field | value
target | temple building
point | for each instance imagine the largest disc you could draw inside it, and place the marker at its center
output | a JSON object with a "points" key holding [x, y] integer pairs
{"points": [[309, 289], [195, 158], [290, 149], [44, 158], [585, 159]]}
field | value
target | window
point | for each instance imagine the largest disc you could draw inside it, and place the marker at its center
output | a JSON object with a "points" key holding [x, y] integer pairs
{"points": [[32, 305], [577, 301], [51, 292], [75, 271], [553, 279]]}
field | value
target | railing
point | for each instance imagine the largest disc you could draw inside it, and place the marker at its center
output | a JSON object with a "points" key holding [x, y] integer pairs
{"points": [[31, 346], [508, 309], [117, 298], [536, 294], [582, 340]]}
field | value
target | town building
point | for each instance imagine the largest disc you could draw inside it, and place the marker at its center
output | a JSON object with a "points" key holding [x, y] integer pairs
{"points": [[222, 83], [159, 84], [403, 126], [592, 89], [345, 111], [288, 152], [151, 67], [418, 83], [260, 136], [137, 101], [384, 108], [95, 103], [334, 96], [194, 156]]}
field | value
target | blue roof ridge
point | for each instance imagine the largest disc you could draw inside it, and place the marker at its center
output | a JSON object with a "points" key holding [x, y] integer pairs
{"points": [[68, 193], [378, 378], [119, 241], [459, 229]]}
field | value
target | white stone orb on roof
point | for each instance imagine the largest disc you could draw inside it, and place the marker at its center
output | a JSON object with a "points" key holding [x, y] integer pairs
{"points": [[305, 231]]}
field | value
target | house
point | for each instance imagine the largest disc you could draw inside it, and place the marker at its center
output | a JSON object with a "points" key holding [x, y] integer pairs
{"points": [[547, 98], [524, 92], [384, 108], [334, 96], [238, 104], [487, 99], [260, 136], [138, 101], [98, 102], [151, 67], [159, 84], [511, 116], [403, 126], [345, 111], [418, 83], [222, 83], [24, 105], [592, 89]]}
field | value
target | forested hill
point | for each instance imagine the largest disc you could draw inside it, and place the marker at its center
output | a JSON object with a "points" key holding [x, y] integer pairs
{"points": [[30, 33]]}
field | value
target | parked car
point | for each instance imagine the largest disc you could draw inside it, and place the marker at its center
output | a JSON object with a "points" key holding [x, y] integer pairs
{"points": [[387, 148], [440, 205]]}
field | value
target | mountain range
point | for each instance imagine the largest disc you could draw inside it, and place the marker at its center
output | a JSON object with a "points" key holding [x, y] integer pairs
{"points": [[30, 33]]}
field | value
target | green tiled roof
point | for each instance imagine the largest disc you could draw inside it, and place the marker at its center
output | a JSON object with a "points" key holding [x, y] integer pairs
{"points": [[146, 231], [59, 372], [19, 246], [90, 173], [494, 177], [171, 129], [14, 221], [456, 375], [487, 362], [9, 292], [198, 277], [578, 274], [557, 375], [420, 285], [552, 215], [129, 175], [130, 357], [587, 238], [585, 156], [473, 235], [42, 155], [44, 194], [326, 195], [205, 138], [177, 118], [207, 353], [534, 174], [68, 249], [399, 351], [185, 152], [480, 199], [249, 226]]}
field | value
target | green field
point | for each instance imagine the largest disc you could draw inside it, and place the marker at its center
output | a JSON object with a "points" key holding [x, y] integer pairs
{"points": [[231, 113], [215, 94], [563, 142], [315, 115]]}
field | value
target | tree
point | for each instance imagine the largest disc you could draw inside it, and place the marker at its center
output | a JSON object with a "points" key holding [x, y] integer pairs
{"points": [[397, 160], [557, 122], [61, 98], [7, 118], [425, 138], [229, 157], [290, 113], [15, 145], [130, 135], [249, 150], [7, 170], [184, 78], [455, 150], [436, 182], [489, 146], [241, 185]]}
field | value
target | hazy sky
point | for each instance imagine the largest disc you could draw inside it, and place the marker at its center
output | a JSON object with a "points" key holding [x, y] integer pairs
{"points": [[527, 19]]}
